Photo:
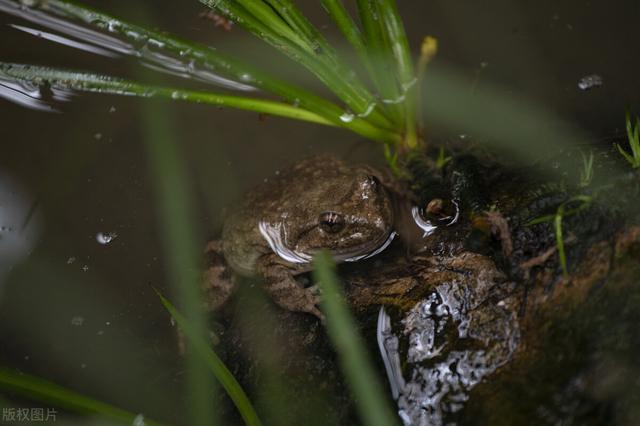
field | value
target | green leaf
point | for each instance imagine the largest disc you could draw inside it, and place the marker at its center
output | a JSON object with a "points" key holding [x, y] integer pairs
{"points": [[97, 83], [626, 155], [215, 364], [560, 241], [371, 402], [406, 73], [45, 391], [335, 75], [212, 60]]}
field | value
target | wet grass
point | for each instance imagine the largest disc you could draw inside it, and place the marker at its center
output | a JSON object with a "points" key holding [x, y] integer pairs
{"points": [[41, 390], [565, 209], [356, 365], [633, 138]]}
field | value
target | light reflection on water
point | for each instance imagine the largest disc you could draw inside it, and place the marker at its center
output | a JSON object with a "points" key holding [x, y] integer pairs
{"points": [[90, 40], [19, 224], [454, 340]]}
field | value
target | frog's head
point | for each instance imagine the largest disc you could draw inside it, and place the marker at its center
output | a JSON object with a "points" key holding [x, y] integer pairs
{"points": [[350, 215]]}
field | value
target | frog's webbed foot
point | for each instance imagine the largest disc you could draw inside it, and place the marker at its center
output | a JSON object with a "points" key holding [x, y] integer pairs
{"points": [[287, 292], [218, 280]]}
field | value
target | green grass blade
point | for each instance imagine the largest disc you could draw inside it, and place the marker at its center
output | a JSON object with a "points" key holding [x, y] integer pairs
{"points": [[633, 137], [338, 78], [382, 67], [406, 73], [371, 402], [541, 219], [264, 14], [45, 391], [213, 60], [557, 222], [384, 84], [314, 40], [626, 155], [215, 364], [174, 201], [339, 14], [104, 84]]}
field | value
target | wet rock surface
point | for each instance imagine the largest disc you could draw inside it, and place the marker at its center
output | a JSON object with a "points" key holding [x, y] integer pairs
{"points": [[473, 309]]}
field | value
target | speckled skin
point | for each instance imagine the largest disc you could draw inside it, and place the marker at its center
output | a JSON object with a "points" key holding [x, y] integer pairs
{"points": [[292, 205]]}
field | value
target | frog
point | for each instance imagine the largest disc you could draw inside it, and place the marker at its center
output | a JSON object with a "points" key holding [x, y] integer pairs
{"points": [[320, 203]]}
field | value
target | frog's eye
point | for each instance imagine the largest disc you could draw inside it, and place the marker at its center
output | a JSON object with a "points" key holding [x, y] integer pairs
{"points": [[331, 222]]}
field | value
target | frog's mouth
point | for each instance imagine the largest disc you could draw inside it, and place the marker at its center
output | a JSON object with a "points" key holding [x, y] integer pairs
{"points": [[275, 235]]}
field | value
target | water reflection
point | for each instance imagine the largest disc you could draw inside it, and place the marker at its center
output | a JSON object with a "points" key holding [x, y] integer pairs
{"points": [[275, 234], [426, 225], [90, 40], [19, 224], [450, 341], [24, 94], [65, 41]]}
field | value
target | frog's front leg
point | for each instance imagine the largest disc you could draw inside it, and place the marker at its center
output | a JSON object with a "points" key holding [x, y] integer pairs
{"points": [[285, 290], [218, 281]]}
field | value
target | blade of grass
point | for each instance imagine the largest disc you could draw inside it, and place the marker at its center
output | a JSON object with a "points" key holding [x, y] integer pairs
{"points": [[372, 405], [215, 365], [45, 391], [337, 77], [381, 58], [104, 84], [400, 47], [267, 16], [174, 199], [313, 38], [633, 138], [385, 86], [557, 223], [210, 59]]}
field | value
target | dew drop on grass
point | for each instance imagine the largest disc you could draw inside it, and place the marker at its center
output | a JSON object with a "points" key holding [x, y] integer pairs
{"points": [[347, 117], [138, 420], [368, 110]]}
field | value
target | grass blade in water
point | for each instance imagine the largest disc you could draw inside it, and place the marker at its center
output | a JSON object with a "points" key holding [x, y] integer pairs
{"points": [[215, 364], [371, 402]]}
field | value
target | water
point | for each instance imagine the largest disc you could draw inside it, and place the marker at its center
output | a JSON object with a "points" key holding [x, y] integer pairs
{"points": [[79, 184]]}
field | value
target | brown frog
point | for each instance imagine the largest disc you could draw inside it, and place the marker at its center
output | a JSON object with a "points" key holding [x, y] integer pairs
{"points": [[319, 203]]}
